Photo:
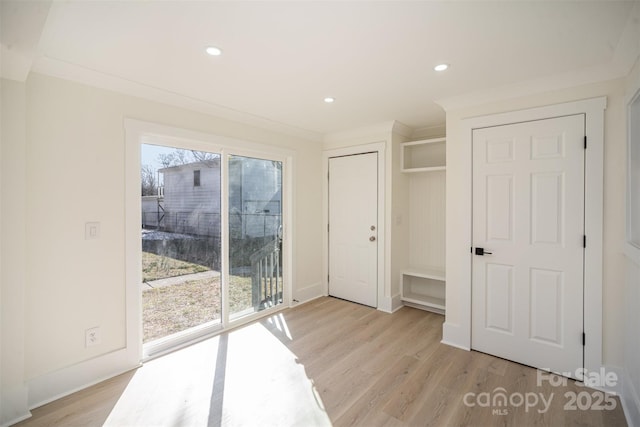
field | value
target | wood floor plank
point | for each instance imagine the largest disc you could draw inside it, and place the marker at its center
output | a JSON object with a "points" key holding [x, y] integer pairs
{"points": [[378, 393], [326, 362], [420, 387]]}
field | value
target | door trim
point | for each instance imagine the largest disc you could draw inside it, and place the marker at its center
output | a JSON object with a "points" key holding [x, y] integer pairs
{"points": [[457, 331], [384, 298]]}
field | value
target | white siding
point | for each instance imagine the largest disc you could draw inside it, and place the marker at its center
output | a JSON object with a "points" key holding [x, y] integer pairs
{"points": [[189, 208], [182, 196]]}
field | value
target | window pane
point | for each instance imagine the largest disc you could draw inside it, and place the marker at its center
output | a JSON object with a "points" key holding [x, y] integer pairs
{"points": [[181, 286], [255, 224]]}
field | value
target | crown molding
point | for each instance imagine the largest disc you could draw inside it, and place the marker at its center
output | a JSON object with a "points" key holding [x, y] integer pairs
{"points": [[382, 131], [374, 132], [401, 129], [434, 131], [567, 80], [624, 57], [22, 23], [73, 72], [628, 48]]}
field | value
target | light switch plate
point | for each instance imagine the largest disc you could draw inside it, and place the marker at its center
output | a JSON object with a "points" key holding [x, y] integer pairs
{"points": [[92, 231]]}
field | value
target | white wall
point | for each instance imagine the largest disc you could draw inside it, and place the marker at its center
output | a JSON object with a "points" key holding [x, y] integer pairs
{"points": [[75, 173], [13, 393], [458, 215], [632, 304]]}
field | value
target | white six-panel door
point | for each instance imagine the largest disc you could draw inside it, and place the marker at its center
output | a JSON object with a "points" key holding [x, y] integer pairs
{"points": [[528, 217], [353, 224]]}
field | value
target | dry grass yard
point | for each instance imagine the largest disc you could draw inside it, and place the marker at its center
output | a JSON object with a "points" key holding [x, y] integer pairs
{"points": [[156, 267], [177, 307]]}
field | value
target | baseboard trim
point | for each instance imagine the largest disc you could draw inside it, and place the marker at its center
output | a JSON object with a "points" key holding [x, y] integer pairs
{"points": [[385, 305], [16, 420], [452, 344], [308, 293], [298, 303], [396, 303], [13, 403], [615, 389], [55, 385], [630, 401], [452, 335]]}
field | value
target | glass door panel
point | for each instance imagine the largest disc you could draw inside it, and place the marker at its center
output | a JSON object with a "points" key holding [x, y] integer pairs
{"points": [[181, 240], [255, 235]]}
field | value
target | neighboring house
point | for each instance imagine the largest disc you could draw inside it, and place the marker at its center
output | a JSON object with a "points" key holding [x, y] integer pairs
{"points": [[191, 202], [192, 198]]}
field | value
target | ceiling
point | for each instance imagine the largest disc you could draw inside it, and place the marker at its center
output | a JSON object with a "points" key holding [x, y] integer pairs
{"points": [[281, 59]]}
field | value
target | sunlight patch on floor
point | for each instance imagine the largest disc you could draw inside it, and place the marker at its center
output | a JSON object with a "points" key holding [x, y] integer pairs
{"points": [[246, 377], [278, 322]]}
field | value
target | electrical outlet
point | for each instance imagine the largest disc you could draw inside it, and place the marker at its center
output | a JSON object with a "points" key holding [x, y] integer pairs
{"points": [[92, 337]]}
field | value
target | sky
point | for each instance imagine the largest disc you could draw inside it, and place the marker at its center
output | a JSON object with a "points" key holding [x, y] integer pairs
{"points": [[150, 154]]}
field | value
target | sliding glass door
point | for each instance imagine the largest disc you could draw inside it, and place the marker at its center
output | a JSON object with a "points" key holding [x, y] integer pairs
{"points": [[181, 240], [211, 240], [255, 235]]}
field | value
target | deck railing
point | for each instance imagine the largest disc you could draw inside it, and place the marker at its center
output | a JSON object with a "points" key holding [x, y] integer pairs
{"points": [[266, 276]]}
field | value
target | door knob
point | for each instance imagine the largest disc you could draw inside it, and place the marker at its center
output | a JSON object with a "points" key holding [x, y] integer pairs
{"points": [[372, 238], [481, 251], [373, 227]]}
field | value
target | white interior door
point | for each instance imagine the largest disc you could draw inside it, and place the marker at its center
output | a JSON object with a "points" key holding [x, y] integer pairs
{"points": [[353, 228], [528, 218]]}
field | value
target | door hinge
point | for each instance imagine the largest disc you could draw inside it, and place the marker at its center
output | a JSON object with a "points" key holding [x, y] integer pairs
{"points": [[585, 142], [327, 228], [327, 278], [584, 338], [584, 241]]}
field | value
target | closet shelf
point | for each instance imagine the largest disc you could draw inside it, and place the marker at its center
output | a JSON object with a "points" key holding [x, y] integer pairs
{"points": [[425, 273], [424, 301], [427, 155], [430, 169]]}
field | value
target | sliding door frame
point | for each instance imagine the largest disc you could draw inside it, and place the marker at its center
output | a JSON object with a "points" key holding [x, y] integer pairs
{"points": [[139, 132], [286, 213]]}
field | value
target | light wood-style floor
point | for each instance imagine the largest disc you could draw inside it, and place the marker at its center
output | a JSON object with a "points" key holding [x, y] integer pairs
{"points": [[327, 362]]}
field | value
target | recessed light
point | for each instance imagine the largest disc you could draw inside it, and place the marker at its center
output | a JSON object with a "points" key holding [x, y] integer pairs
{"points": [[214, 51], [329, 99], [441, 67]]}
